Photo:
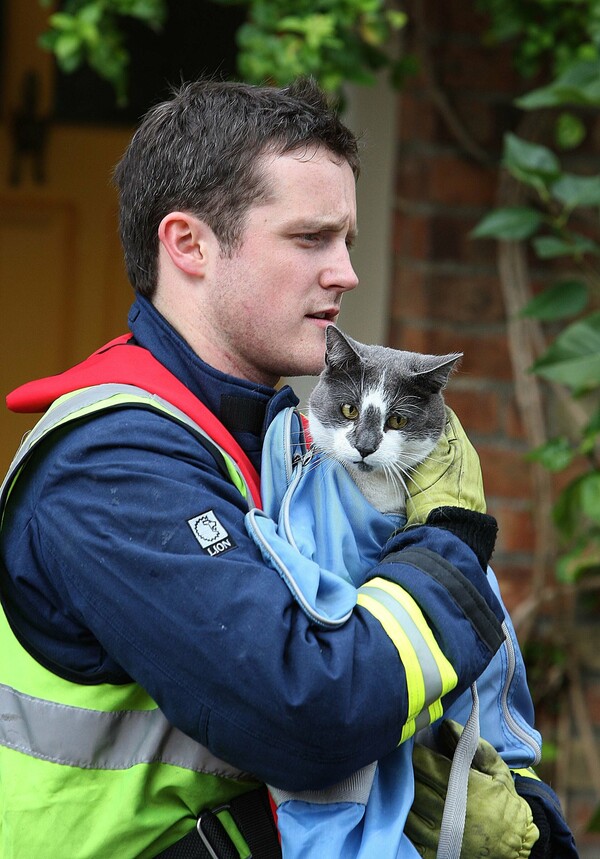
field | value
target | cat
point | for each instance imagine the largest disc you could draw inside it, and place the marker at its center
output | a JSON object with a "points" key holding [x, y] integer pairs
{"points": [[379, 412]]}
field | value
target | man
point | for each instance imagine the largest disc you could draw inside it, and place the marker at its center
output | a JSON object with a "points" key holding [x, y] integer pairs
{"points": [[151, 659]]}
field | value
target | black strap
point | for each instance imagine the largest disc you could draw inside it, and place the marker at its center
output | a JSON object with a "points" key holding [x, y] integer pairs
{"points": [[242, 414], [254, 818], [252, 814]]}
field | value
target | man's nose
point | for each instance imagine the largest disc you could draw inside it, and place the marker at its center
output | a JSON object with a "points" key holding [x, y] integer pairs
{"points": [[340, 273]]}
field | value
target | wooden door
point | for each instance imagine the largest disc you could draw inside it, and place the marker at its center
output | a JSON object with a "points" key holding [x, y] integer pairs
{"points": [[63, 290]]}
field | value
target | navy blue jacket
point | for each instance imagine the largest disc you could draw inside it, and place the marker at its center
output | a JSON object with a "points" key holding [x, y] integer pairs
{"points": [[108, 582]]}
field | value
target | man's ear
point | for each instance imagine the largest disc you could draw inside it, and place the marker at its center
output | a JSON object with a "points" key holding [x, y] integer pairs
{"points": [[188, 241]]}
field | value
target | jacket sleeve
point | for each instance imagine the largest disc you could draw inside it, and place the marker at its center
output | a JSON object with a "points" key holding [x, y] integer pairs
{"points": [[112, 577], [506, 709]]}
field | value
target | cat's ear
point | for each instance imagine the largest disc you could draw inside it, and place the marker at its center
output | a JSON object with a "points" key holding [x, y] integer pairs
{"points": [[340, 353], [435, 370]]}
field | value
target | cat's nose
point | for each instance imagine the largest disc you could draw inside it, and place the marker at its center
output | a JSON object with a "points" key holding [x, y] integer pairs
{"points": [[366, 451]]}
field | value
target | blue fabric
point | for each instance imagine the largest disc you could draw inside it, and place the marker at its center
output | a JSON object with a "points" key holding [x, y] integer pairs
{"points": [[323, 538], [352, 830], [322, 550], [106, 580]]}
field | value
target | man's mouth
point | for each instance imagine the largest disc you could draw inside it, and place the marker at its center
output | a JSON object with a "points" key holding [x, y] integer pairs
{"points": [[325, 315]]}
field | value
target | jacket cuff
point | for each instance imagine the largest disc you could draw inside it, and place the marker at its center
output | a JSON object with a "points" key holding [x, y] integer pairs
{"points": [[477, 530]]}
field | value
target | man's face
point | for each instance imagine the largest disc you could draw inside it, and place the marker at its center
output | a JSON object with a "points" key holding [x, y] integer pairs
{"points": [[271, 301]]}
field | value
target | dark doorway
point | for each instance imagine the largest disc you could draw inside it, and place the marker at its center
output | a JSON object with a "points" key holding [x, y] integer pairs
{"points": [[198, 39]]}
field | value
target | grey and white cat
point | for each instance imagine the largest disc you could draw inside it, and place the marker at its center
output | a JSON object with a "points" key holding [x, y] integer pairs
{"points": [[379, 412]]}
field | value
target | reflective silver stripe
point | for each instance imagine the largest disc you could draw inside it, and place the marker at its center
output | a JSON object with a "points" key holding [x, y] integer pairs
{"points": [[518, 731], [356, 788], [429, 667], [92, 739], [70, 405]]}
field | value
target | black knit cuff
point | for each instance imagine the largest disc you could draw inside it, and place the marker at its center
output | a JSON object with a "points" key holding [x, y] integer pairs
{"points": [[477, 530]]}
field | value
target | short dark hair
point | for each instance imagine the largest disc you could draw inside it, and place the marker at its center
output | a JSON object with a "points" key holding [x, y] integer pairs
{"points": [[200, 152]]}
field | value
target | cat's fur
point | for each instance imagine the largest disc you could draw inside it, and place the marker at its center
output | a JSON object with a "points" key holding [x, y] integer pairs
{"points": [[377, 386]]}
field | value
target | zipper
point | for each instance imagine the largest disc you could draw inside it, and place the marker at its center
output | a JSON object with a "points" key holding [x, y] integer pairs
{"points": [[512, 724]]}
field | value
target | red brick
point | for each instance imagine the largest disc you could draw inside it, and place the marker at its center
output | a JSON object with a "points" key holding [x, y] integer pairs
{"points": [[515, 529], [409, 294], [451, 239], [455, 181], [433, 341], [411, 235], [477, 410], [447, 18], [411, 176], [513, 420], [485, 120], [418, 118], [486, 356], [475, 67], [450, 298], [592, 697], [514, 580], [505, 472]]}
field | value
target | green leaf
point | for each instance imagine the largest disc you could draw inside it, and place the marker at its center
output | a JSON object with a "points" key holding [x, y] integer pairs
{"points": [[579, 84], [591, 434], [512, 223], [576, 246], [569, 131], [63, 21], [90, 14], [68, 49], [575, 191], [566, 511], [560, 301], [594, 824], [590, 495], [555, 455], [539, 98], [396, 19], [530, 161], [574, 357], [582, 559]]}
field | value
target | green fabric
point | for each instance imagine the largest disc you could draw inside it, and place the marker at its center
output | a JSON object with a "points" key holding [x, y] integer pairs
{"points": [[499, 823], [58, 812], [449, 477], [55, 811]]}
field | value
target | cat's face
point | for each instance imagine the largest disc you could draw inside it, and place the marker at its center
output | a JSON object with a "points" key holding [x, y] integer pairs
{"points": [[376, 409]]}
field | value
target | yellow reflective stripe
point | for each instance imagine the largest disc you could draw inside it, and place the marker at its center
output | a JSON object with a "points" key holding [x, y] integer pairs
{"points": [[436, 711], [526, 773], [414, 677], [234, 474], [429, 675], [102, 398], [447, 673]]}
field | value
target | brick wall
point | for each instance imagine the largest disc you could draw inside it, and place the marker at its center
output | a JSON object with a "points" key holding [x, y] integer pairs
{"points": [[446, 293]]}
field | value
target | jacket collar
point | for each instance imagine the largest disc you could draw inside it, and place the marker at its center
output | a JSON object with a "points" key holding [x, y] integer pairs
{"points": [[245, 408]]}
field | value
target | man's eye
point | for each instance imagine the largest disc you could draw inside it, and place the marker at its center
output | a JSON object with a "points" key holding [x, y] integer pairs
{"points": [[310, 238], [349, 411]]}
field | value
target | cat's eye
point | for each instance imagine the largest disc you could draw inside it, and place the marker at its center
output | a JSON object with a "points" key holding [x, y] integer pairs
{"points": [[396, 422], [349, 411]]}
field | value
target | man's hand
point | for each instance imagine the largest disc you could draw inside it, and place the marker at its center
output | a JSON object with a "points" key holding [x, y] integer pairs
{"points": [[499, 823], [449, 477]]}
